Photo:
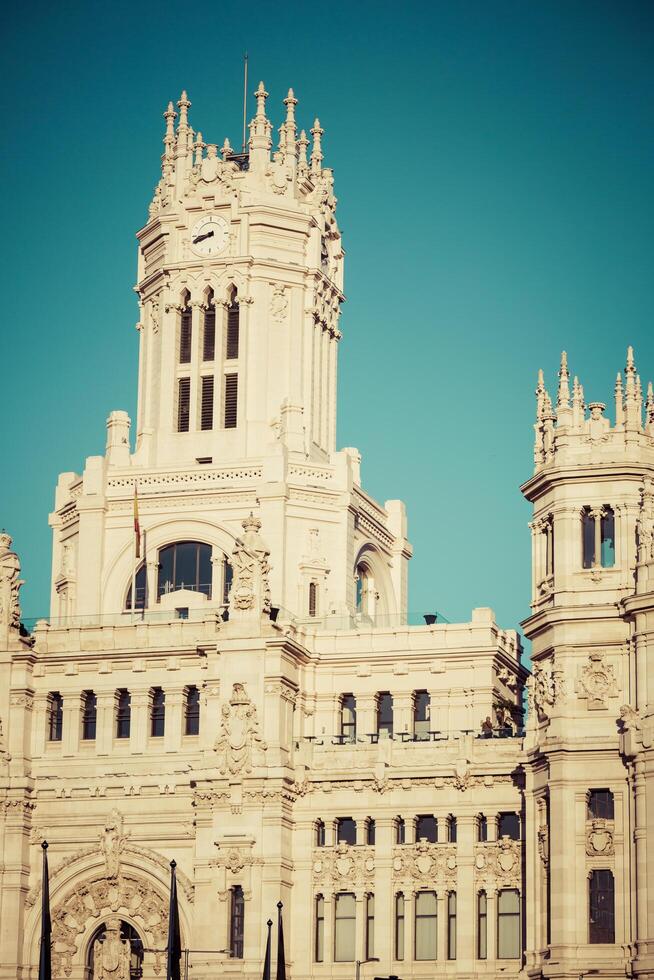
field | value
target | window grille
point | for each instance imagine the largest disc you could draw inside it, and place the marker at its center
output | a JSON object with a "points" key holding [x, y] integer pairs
{"points": [[232, 337], [313, 599], [237, 923], [206, 408], [157, 713], [185, 329], [230, 413], [183, 404], [601, 919], [209, 333]]}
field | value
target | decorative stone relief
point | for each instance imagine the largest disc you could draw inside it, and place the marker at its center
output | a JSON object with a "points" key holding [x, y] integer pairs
{"points": [[645, 524], [599, 838], [5, 757], [597, 682], [544, 843], [10, 584], [113, 842], [424, 863], [279, 304], [507, 677], [111, 955], [344, 864], [250, 585], [499, 862], [239, 744], [545, 688]]}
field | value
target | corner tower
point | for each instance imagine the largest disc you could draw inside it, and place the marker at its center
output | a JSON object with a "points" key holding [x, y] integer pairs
{"points": [[240, 281], [590, 627]]}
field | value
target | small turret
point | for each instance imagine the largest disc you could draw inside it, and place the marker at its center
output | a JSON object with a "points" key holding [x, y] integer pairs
{"points": [[316, 152], [563, 395], [260, 130], [302, 164], [290, 128], [167, 168]]}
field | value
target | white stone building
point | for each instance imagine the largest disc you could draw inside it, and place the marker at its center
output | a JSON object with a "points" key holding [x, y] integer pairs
{"points": [[242, 692]]}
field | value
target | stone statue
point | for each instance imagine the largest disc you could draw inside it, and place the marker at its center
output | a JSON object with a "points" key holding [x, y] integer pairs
{"points": [[111, 955], [10, 584], [645, 524], [250, 586], [113, 841], [238, 738]]}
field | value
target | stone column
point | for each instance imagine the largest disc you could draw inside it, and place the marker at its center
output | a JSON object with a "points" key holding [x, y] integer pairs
{"points": [[366, 714], [71, 725], [491, 924], [104, 729], [465, 887], [402, 713], [597, 514], [139, 722], [174, 721], [441, 925]]}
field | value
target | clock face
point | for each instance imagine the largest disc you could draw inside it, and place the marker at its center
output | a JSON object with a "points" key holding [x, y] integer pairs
{"points": [[209, 235]]}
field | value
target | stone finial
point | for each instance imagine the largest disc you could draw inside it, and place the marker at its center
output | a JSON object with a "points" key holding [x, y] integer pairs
{"points": [[169, 141], [649, 410], [540, 394], [261, 95], [577, 404], [199, 146], [260, 130], [290, 127], [226, 149], [563, 397], [619, 402], [632, 396], [302, 145], [10, 583], [316, 152], [183, 105]]}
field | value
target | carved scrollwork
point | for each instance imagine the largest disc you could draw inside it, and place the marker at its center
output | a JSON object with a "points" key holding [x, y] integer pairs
{"points": [[424, 863], [599, 838], [239, 743], [343, 864], [597, 682], [499, 862]]}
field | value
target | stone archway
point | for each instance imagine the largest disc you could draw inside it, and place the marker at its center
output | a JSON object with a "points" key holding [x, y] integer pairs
{"points": [[114, 952]]}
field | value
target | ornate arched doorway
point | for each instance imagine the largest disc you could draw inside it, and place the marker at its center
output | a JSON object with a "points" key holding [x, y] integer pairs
{"points": [[114, 952]]}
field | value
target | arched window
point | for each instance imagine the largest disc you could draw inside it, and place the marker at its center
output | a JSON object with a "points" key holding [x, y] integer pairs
{"points": [[157, 712], [600, 804], [601, 911], [192, 711], [141, 587], [508, 924], [237, 922], [55, 716], [313, 598], [346, 830], [89, 715], [232, 329], [209, 328], [185, 330], [598, 537], [385, 713], [185, 565], [128, 934], [348, 718], [421, 715], [123, 713], [365, 590]]}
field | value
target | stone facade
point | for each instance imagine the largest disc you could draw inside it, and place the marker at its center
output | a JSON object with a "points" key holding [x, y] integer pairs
{"points": [[227, 677]]}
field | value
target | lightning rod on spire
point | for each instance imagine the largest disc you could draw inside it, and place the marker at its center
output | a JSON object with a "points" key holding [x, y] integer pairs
{"points": [[245, 95]]}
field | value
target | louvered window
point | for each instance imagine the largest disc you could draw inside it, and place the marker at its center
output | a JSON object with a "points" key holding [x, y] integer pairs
{"points": [[185, 329], [230, 415], [206, 411], [209, 334], [231, 340], [183, 404], [313, 598]]}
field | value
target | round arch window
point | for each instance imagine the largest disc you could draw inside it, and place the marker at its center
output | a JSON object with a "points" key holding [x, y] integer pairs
{"points": [[185, 565]]}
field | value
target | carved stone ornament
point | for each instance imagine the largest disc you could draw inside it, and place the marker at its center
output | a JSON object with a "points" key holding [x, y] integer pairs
{"points": [[599, 838], [5, 757], [278, 304], [499, 862], [239, 744], [507, 677], [424, 862], [343, 864], [111, 955], [645, 524], [113, 842], [250, 586], [597, 682], [10, 583], [544, 843]]}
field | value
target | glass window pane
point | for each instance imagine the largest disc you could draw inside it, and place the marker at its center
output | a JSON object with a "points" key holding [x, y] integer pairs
{"points": [[425, 926], [346, 831], [320, 929], [344, 931], [508, 924], [607, 525], [427, 829], [509, 826], [166, 561], [399, 927], [482, 934], [385, 713]]}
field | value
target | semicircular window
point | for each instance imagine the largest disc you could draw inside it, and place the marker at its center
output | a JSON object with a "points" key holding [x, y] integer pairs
{"points": [[185, 565]]}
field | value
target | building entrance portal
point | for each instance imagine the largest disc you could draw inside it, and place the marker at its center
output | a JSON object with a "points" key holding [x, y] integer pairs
{"points": [[115, 952]]}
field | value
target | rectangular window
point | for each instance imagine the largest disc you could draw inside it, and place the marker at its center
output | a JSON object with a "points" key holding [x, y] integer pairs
{"points": [[185, 337], [508, 924], [370, 831], [228, 574], [192, 712], [89, 716], [399, 926], [157, 713], [601, 919], [206, 408], [209, 334], [348, 718], [427, 828], [230, 413], [385, 714], [607, 537], [55, 717], [344, 927], [319, 949], [600, 804], [232, 333], [482, 828], [482, 926], [400, 831], [421, 712], [370, 926], [237, 923], [425, 944], [587, 538], [451, 926], [508, 826], [451, 830], [123, 714], [346, 830], [183, 404]]}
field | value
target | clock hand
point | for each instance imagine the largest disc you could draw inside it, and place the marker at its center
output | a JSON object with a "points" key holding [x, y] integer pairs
{"points": [[201, 238]]}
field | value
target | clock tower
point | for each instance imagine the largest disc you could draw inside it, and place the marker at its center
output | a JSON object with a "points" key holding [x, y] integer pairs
{"points": [[240, 282]]}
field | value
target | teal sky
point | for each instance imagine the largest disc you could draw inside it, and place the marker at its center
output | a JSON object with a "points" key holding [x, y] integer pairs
{"points": [[494, 165]]}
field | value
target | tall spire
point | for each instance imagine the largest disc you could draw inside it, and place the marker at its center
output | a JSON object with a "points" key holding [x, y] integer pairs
{"points": [[619, 402], [290, 127], [199, 147], [540, 395], [632, 403], [649, 410], [183, 105], [563, 398], [316, 152], [169, 143], [260, 129], [577, 404]]}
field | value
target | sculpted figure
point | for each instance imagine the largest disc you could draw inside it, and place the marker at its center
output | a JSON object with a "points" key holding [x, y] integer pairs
{"points": [[113, 843], [111, 955], [10, 584]]}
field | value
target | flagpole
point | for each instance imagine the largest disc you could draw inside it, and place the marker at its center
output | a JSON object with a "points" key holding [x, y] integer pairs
{"points": [[174, 944], [281, 956], [266, 960], [45, 951]]}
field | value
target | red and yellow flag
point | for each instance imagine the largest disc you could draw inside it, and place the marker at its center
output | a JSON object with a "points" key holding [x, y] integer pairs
{"points": [[137, 526]]}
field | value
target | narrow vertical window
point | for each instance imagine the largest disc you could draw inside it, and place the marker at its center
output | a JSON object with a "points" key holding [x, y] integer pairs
{"points": [[451, 926], [320, 833], [601, 912], [370, 831], [232, 332], [183, 404], [123, 713], [451, 830], [55, 716], [421, 715], [587, 538], [185, 328], [228, 574], [209, 330], [89, 715], [313, 598], [607, 537], [385, 714], [482, 926], [425, 926], [600, 804], [348, 718], [236, 923], [344, 927], [482, 828], [399, 926], [400, 831], [508, 924], [192, 711], [206, 406], [370, 926], [319, 948], [157, 713], [230, 410]]}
